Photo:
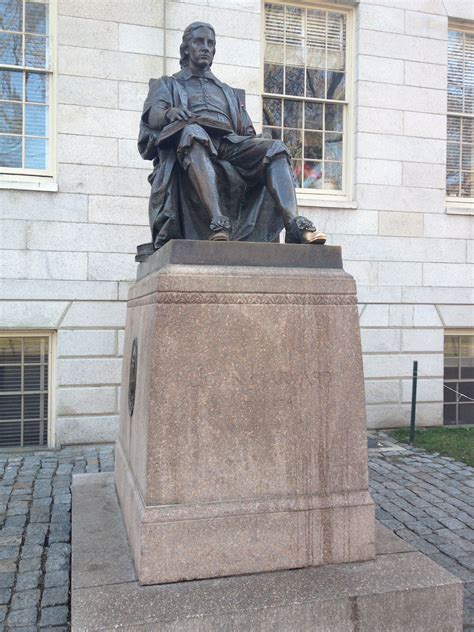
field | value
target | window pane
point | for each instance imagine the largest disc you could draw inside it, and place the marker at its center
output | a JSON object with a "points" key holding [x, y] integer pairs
{"points": [[36, 17], [313, 145], [333, 117], [273, 81], [36, 51], [10, 151], [294, 81], [453, 156], [269, 132], [36, 120], [467, 368], [315, 84], [10, 406], [293, 114], [451, 368], [292, 139], [336, 85], [32, 433], [450, 389], [10, 49], [32, 407], [34, 377], [449, 414], [11, 15], [36, 87], [272, 112], [467, 157], [455, 71], [274, 32], [313, 115], [468, 130], [36, 153], [332, 146], [11, 85], [468, 73], [10, 118], [453, 183], [10, 350], [333, 175], [467, 189], [454, 129], [316, 30], [465, 389], [10, 378], [466, 413], [312, 175], [451, 346], [336, 39], [34, 350], [294, 53], [297, 172]]}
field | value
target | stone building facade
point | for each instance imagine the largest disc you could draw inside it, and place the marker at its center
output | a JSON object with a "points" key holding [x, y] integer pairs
{"points": [[69, 232]]}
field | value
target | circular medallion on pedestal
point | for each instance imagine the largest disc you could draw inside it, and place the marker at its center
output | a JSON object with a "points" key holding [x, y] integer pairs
{"points": [[132, 377]]}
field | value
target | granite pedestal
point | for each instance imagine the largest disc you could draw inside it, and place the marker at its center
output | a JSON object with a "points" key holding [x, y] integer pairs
{"points": [[242, 447]]}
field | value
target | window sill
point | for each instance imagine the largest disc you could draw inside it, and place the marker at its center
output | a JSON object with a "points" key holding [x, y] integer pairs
{"points": [[318, 202], [456, 208], [43, 184]]}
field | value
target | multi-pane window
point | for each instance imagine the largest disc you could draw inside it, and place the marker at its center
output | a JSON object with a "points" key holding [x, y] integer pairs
{"points": [[459, 379], [24, 369], [305, 91], [460, 158], [25, 83]]}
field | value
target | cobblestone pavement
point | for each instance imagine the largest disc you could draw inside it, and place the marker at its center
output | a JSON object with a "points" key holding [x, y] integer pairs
{"points": [[426, 499]]}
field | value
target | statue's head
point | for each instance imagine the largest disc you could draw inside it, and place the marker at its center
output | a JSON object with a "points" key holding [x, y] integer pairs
{"points": [[198, 45]]}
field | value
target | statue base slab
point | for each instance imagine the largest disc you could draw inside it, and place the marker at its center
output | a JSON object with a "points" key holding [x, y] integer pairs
{"points": [[399, 590], [242, 444]]}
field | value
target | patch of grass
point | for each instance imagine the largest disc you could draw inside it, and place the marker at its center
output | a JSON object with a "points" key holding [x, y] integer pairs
{"points": [[455, 442]]}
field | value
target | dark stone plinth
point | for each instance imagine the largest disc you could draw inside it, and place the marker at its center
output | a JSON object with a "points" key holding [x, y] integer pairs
{"points": [[241, 253], [400, 590]]}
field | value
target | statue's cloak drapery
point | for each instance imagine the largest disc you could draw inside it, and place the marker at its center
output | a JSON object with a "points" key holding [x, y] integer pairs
{"points": [[174, 210]]}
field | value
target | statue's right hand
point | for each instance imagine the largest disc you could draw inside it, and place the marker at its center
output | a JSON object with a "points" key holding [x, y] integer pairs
{"points": [[178, 114]]}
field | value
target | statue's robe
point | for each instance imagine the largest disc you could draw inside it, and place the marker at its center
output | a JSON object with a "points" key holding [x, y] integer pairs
{"points": [[174, 209]]}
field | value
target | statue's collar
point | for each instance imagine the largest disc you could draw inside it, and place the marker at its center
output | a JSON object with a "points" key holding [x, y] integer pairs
{"points": [[187, 74]]}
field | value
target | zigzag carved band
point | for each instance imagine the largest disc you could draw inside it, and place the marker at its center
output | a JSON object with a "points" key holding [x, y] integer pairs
{"points": [[243, 298]]}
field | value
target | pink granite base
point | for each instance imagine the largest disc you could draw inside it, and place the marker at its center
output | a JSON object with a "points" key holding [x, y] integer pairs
{"points": [[246, 450]]}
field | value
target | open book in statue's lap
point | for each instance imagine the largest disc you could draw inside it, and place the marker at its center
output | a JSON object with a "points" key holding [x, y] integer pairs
{"points": [[213, 178]]}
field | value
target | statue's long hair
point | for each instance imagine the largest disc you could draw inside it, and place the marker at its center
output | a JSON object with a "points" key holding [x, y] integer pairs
{"points": [[187, 35]]}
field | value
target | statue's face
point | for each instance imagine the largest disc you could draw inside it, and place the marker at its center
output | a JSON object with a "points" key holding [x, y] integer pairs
{"points": [[201, 48]]}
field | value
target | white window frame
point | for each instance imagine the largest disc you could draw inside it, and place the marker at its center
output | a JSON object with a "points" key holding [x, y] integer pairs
{"points": [[52, 343], [315, 197], [40, 179], [460, 205]]}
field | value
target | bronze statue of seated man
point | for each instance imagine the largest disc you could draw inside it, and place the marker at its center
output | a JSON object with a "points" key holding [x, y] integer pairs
{"points": [[213, 178]]}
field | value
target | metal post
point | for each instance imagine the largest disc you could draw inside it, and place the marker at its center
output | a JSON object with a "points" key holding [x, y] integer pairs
{"points": [[413, 401]]}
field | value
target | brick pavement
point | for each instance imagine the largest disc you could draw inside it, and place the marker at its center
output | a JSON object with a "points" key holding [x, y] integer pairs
{"points": [[426, 499]]}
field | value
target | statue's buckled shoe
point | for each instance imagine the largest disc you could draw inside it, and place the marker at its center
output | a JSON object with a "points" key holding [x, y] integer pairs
{"points": [[220, 235], [300, 230], [220, 227], [313, 237]]}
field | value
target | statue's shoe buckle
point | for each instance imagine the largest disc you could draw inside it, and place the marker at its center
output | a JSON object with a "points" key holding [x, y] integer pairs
{"points": [[313, 237]]}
